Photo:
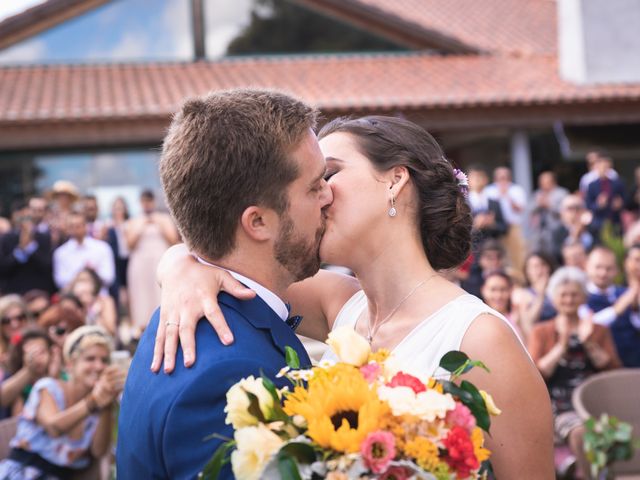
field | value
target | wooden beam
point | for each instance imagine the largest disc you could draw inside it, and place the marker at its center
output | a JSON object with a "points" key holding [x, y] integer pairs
{"points": [[198, 29], [41, 17]]}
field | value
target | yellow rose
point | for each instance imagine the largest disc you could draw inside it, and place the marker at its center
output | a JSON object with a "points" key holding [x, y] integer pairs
{"points": [[254, 448], [491, 406], [350, 347], [237, 408]]}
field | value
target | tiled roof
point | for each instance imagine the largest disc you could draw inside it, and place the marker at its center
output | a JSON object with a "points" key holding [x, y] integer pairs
{"points": [[507, 26], [333, 83]]}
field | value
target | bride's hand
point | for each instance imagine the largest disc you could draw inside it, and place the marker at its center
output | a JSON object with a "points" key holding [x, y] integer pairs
{"points": [[189, 292]]}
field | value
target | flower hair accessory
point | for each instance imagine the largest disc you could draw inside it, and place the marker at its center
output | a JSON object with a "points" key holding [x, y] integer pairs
{"points": [[463, 181]]}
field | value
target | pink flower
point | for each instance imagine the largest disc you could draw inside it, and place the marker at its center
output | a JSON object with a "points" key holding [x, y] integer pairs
{"points": [[370, 371], [461, 416], [402, 379], [378, 449], [395, 473]]}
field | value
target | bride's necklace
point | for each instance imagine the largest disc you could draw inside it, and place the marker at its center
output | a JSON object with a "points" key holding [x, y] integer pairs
{"points": [[372, 331]]}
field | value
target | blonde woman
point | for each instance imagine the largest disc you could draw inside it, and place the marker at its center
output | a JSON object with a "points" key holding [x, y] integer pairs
{"points": [[65, 424]]}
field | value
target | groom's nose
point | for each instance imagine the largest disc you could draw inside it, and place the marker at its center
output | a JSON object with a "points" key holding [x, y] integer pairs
{"points": [[326, 196]]}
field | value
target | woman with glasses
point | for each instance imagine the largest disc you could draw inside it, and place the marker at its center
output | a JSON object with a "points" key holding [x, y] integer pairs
{"points": [[59, 321], [13, 318], [66, 424]]}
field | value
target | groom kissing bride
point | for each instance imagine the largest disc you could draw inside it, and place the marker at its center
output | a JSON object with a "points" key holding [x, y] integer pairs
{"points": [[252, 192]]}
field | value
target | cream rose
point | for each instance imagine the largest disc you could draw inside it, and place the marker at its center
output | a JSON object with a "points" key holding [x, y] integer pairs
{"points": [[427, 405], [491, 406], [237, 408], [350, 347], [254, 448]]}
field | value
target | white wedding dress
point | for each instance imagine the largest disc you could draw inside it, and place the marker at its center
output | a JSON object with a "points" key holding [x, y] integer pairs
{"points": [[419, 353]]}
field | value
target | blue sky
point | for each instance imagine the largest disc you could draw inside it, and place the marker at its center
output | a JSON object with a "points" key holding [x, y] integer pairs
{"points": [[128, 30]]}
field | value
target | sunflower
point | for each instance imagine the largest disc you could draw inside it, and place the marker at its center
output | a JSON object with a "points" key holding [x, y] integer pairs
{"points": [[339, 406]]}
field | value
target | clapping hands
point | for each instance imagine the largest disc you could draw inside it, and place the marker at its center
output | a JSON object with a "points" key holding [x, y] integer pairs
{"points": [[108, 386]]}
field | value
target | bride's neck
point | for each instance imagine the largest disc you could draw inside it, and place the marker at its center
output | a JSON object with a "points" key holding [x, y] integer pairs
{"points": [[394, 272]]}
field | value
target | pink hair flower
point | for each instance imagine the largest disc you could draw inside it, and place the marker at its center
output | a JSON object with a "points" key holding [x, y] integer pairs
{"points": [[378, 449]]}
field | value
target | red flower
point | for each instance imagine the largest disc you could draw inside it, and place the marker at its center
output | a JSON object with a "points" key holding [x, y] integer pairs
{"points": [[402, 379], [15, 339], [460, 455]]}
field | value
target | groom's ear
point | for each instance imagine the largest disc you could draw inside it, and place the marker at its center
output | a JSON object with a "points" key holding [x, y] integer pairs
{"points": [[259, 223]]}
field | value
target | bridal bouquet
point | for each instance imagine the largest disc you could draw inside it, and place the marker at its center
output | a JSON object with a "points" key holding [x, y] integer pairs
{"points": [[360, 418]]}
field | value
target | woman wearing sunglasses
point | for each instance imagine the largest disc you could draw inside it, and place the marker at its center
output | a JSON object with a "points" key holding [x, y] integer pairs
{"points": [[13, 318]]}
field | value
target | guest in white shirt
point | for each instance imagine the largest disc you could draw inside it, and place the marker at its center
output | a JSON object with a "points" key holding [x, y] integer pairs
{"points": [[513, 201], [82, 251]]}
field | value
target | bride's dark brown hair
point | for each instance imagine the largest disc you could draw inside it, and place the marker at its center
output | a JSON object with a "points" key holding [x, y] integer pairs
{"points": [[444, 215]]}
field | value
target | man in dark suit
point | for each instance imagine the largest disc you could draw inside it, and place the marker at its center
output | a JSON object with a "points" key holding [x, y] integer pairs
{"points": [[616, 306], [244, 179], [605, 198], [25, 257]]}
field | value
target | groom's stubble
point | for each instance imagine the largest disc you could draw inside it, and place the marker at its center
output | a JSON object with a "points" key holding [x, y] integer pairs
{"points": [[300, 256]]}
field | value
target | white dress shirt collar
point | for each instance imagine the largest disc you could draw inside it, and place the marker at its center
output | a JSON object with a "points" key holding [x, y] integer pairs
{"points": [[593, 289], [275, 303]]}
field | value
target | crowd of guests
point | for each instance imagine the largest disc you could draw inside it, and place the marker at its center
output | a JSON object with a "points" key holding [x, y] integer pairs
{"points": [[72, 288], [551, 264], [571, 290]]}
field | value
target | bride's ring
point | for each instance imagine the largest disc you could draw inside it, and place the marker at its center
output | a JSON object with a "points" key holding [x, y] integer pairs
{"points": [[169, 322]]}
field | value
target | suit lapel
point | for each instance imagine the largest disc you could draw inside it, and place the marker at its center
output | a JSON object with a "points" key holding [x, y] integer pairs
{"points": [[262, 317]]}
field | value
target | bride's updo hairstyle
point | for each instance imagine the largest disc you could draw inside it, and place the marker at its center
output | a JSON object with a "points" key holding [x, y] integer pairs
{"points": [[443, 213]]}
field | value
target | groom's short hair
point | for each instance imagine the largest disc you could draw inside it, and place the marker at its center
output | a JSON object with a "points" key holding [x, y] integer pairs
{"points": [[225, 152]]}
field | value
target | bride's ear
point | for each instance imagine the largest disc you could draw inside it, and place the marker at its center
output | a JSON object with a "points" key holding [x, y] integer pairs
{"points": [[398, 177]]}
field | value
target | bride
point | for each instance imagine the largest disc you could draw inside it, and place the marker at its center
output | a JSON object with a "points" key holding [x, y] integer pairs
{"points": [[398, 218]]}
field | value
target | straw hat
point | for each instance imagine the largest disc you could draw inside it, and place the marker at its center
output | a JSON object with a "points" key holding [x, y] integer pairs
{"points": [[64, 186]]}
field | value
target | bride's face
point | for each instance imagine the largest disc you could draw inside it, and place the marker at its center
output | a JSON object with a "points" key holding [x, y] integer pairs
{"points": [[360, 201]]}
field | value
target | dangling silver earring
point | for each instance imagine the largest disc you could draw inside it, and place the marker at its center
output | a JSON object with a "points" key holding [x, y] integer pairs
{"points": [[392, 211]]}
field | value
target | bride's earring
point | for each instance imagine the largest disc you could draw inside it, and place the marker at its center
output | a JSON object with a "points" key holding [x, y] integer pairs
{"points": [[392, 211]]}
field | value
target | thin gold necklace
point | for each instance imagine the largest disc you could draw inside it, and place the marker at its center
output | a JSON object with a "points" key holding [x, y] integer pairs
{"points": [[372, 331]]}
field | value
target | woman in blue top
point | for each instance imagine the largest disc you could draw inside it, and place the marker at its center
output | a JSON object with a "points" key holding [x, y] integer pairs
{"points": [[64, 424]]}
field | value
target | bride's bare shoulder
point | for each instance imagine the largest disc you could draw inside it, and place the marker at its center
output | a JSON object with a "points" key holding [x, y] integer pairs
{"points": [[489, 333]]}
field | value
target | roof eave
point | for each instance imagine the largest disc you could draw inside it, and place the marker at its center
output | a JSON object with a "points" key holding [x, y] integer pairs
{"points": [[390, 26]]}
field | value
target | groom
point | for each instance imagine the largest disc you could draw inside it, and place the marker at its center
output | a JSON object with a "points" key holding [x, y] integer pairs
{"points": [[244, 179]]}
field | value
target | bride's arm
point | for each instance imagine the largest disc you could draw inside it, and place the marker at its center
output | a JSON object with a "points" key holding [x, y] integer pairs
{"points": [[522, 436], [190, 291], [318, 300]]}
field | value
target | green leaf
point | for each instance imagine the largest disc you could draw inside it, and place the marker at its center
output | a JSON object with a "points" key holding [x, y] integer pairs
{"points": [[456, 391], [291, 357], [270, 386], [453, 360], [287, 467], [218, 460], [254, 407], [477, 405], [302, 452]]}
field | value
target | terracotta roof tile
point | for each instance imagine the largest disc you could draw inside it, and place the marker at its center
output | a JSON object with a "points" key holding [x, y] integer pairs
{"points": [[333, 83], [510, 26]]}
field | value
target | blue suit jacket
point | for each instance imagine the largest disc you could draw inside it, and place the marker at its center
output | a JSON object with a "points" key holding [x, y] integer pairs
{"points": [[601, 214], [164, 418], [625, 335]]}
